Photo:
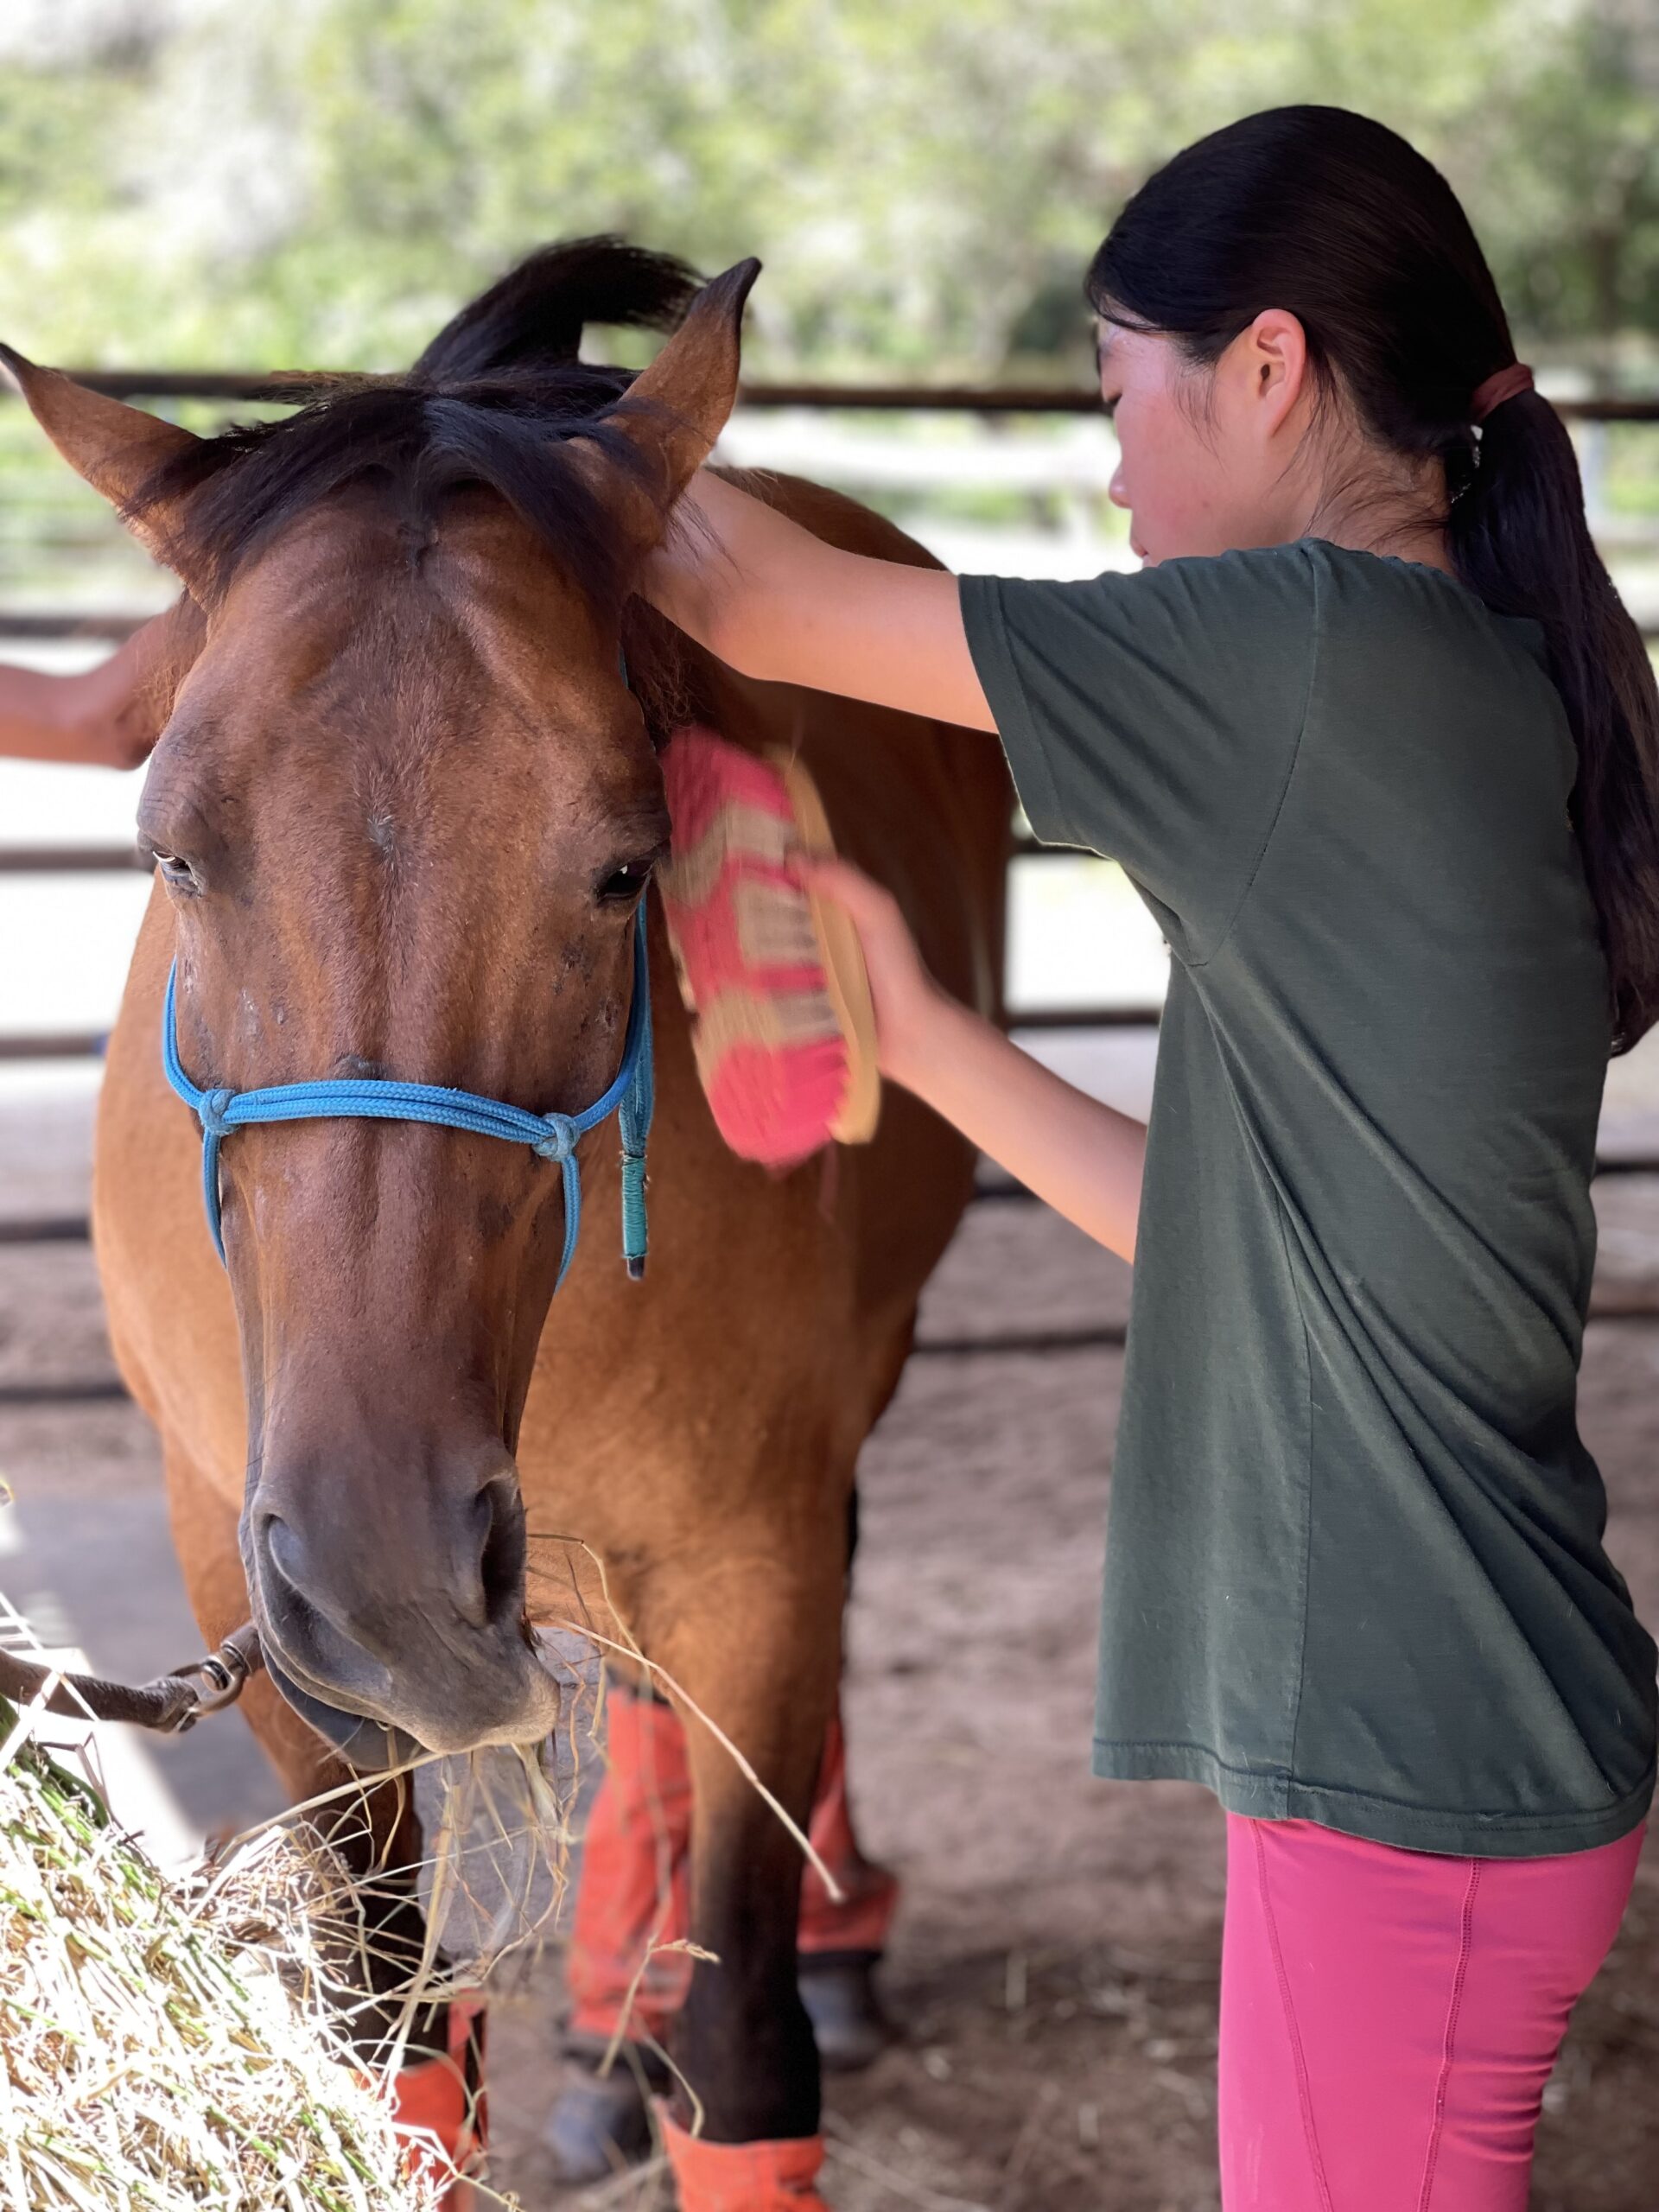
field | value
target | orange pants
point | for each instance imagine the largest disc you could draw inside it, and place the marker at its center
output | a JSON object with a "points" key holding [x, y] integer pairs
{"points": [[634, 1890]]}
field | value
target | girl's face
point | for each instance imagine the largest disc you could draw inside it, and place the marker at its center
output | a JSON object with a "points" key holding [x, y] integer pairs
{"points": [[1210, 457]]}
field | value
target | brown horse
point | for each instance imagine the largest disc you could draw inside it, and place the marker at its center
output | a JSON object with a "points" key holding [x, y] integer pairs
{"points": [[405, 810]]}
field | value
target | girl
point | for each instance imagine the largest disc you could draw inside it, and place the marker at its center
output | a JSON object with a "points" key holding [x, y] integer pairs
{"points": [[1377, 742]]}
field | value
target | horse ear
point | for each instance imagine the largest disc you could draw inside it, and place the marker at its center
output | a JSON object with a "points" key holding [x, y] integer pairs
{"points": [[116, 448], [674, 411]]}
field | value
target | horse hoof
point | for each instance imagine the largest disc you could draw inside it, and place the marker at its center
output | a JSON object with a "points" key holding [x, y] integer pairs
{"points": [[846, 2013], [599, 2124]]}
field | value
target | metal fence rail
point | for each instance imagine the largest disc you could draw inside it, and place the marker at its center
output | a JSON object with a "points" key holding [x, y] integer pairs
{"points": [[103, 859], [71, 860], [1625, 1303], [994, 401], [49, 626], [886, 398]]}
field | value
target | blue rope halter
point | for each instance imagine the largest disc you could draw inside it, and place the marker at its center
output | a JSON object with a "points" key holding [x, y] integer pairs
{"points": [[630, 1098]]}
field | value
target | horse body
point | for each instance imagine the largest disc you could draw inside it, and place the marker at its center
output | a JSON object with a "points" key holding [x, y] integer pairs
{"points": [[374, 1424]]}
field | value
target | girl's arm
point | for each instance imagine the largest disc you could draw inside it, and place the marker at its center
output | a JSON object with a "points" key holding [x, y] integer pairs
{"points": [[773, 601], [1085, 1159], [107, 717]]}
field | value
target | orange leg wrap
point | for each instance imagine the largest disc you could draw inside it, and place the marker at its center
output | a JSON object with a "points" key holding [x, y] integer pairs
{"points": [[860, 1921], [441, 2103], [633, 1888], [744, 2177]]}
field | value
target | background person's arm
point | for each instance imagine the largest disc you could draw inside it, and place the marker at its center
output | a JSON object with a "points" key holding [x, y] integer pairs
{"points": [[773, 601], [1083, 1158], [108, 717]]}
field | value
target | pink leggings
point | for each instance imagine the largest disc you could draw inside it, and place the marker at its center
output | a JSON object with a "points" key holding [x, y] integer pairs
{"points": [[1389, 2018]]}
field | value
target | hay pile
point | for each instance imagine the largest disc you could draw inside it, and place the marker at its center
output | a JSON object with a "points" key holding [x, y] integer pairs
{"points": [[164, 2045]]}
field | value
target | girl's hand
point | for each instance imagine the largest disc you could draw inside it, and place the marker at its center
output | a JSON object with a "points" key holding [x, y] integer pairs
{"points": [[109, 716], [125, 701], [121, 735], [905, 997]]}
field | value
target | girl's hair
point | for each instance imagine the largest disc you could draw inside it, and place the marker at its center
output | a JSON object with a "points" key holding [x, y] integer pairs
{"points": [[1338, 221]]}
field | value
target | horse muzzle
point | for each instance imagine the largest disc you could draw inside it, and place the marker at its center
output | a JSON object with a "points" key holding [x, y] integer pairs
{"points": [[522, 1708], [397, 1635]]}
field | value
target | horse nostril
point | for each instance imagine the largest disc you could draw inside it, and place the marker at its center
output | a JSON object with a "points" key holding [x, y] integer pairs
{"points": [[501, 1552], [284, 1550], [309, 1629]]}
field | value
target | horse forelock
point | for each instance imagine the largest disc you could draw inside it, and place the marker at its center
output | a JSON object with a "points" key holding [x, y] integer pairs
{"points": [[535, 315], [415, 444], [492, 405], [493, 401]]}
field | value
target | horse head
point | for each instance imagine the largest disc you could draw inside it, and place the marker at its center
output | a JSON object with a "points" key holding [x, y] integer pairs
{"points": [[406, 809]]}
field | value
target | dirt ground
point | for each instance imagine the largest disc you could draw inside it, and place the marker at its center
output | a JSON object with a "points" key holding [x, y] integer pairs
{"points": [[1054, 1964]]}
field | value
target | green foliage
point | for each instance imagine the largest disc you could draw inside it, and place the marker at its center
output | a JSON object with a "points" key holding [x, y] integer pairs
{"points": [[290, 181]]}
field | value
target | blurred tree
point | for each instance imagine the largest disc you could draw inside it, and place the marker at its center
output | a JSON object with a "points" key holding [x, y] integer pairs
{"points": [[1579, 217], [305, 181]]}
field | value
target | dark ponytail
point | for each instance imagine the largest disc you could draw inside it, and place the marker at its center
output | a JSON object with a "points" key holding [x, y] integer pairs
{"points": [[1338, 221], [1520, 540]]}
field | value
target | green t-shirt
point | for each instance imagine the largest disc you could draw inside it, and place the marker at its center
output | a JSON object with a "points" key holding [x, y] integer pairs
{"points": [[1354, 1570]]}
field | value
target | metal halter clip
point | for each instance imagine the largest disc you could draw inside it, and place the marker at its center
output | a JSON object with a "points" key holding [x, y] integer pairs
{"points": [[225, 1672]]}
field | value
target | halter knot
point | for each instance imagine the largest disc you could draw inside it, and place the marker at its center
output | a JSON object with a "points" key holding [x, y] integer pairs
{"points": [[561, 1139], [212, 1110]]}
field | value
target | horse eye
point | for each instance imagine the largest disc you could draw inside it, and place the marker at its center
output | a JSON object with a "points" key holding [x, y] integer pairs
{"points": [[628, 880], [174, 870]]}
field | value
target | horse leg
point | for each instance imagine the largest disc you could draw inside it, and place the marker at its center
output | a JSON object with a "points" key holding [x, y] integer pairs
{"points": [[632, 1893], [372, 1827], [753, 1640], [841, 1938]]}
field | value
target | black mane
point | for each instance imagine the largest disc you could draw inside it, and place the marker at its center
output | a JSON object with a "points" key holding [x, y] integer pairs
{"points": [[490, 402]]}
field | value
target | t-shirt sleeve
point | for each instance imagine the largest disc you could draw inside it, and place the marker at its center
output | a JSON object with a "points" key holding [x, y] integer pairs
{"points": [[1154, 717]]}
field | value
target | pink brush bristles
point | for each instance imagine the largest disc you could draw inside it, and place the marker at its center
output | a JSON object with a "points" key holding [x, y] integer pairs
{"points": [[773, 1054]]}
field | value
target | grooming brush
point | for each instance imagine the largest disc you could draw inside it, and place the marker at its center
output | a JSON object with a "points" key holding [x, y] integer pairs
{"points": [[784, 1029]]}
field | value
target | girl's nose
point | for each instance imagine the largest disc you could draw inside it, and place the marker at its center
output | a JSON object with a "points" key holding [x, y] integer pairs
{"points": [[1114, 491]]}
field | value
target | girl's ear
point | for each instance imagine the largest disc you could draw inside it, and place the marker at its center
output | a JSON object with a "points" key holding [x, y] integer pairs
{"points": [[1275, 354], [114, 447]]}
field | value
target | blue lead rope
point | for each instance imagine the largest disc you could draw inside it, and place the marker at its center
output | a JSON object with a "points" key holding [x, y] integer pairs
{"points": [[630, 1098]]}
